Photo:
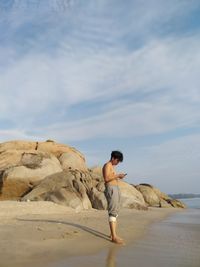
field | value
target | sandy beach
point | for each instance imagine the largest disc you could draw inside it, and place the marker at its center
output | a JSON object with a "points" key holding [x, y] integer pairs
{"points": [[46, 233]]}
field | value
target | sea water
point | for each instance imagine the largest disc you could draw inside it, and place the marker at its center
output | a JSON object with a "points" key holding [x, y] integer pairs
{"points": [[192, 202]]}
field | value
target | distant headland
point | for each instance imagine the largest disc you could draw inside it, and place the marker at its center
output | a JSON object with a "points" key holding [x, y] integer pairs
{"points": [[183, 195]]}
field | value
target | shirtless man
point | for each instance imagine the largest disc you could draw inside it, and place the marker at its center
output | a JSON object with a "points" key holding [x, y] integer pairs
{"points": [[112, 192]]}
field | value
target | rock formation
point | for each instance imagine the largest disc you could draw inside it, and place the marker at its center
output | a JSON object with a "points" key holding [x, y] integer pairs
{"points": [[68, 188], [34, 171], [131, 197], [155, 198], [23, 164], [150, 197]]}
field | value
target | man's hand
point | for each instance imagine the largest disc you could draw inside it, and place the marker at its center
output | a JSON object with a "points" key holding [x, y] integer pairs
{"points": [[122, 175]]}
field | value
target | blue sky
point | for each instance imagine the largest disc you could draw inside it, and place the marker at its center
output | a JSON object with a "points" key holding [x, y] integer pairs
{"points": [[104, 75]]}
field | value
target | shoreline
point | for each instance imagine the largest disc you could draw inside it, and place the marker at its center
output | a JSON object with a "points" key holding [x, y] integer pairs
{"points": [[46, 233]]}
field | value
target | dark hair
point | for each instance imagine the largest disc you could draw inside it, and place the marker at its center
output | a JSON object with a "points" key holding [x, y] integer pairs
{"points": [[117, 155]]}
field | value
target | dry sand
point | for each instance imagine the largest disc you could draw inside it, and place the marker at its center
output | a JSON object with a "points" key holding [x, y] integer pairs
{"points": [[38, 233]]}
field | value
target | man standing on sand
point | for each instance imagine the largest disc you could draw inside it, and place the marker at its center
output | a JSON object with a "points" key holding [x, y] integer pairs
{"points": [[112, 192]]}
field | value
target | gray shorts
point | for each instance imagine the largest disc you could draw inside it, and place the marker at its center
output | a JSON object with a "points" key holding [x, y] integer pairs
{"points": [[112, 194]]}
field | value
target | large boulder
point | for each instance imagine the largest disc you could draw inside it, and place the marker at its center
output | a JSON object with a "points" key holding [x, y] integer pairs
{"points": [[131, 197], [155, 198], [164, 198], [160, 194], [23, 163], [96, 170], [18, 145], [49, 146], [57, 172], [96, 173], [164, 204], [57, 149], [72, 160], [10, 158], [176, 203], [149, 195], [67, 188], [33, 167], [97, 198]]}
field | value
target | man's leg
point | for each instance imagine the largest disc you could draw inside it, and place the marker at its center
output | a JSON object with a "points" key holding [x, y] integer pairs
{"points": [[116, 231], [112, 196], [113, 226]]}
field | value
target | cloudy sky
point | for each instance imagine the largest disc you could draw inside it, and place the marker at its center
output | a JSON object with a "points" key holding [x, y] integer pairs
{"points": [[104, 75]]}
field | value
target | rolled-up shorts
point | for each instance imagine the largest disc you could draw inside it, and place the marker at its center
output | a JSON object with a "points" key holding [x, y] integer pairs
{"points": [[112, 194]]}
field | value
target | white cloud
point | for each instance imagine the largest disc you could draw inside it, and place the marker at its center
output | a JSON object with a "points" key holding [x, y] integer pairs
{"points": [[136, 65], [172, 165], [16, 134], [160, 80]]}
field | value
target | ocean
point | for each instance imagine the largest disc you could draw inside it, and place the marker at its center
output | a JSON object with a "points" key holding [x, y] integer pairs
{"points": [[192, 203]]}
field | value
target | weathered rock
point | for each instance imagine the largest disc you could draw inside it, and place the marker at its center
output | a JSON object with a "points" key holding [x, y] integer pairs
{"points": [[10, 158], [155, 198], [100, 187], [97, 170], [18, 145], [98, 199], [57, 149], [164, 204], [13, 190], [18, 180], [23, 163], [32, 160], [131, 197], [96, 195], [65, 188], [38, 166], [160, 194], [72, 160], [149, 195], [49, 147], [176, 203], [96, 173]]}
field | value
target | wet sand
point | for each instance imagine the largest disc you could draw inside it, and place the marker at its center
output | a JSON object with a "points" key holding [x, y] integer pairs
{"points": [[175, 241], [43, 233]]}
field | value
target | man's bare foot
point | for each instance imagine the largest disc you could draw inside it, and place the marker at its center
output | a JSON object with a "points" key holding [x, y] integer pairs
{"points": [[117, 237], [118, 241]]}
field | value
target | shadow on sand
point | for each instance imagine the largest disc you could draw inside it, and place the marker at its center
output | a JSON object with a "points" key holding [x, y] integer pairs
{"points": [[79, 226]]}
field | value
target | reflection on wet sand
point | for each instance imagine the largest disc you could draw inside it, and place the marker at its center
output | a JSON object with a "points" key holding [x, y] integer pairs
{"points": [[112, 255], [172, 242]]}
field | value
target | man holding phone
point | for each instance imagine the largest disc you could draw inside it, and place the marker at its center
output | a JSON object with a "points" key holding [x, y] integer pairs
{"points": [[112, 192]]}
